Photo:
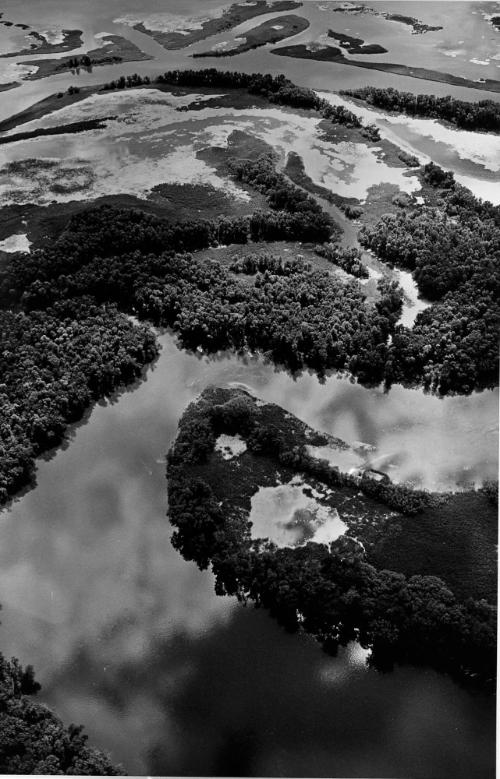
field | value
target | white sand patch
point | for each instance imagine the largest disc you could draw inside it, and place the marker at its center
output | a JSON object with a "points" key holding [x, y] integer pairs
{"points": [[412, 303], [100, 38], [54, 35], [453, 52], [167, 22], [344, 459], [277, 27], [419, 200], [15, 243], [289, 517], [487, 190], [12, 71], [373, 274], [479, 62], [230, 446]]}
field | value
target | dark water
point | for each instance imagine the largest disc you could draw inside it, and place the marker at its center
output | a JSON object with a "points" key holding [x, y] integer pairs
{"points": [[131, 640]]}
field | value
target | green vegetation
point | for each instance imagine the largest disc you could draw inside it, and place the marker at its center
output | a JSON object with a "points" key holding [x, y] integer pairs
{"points": [[271, 31], [332, 592], [34, 740], [484, 115], [349, 259], [55, 363]]}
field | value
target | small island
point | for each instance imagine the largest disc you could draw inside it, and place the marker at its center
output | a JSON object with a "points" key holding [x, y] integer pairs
{"points": [[356, 45], [271, 31], [71, 39], [321, 568], [193, 30], [116, 50]]}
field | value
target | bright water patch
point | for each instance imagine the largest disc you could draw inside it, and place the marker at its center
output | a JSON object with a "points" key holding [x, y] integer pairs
{"points": [[18, 242], [291, 515], [230, 446], [344, 459], [412, 303]]}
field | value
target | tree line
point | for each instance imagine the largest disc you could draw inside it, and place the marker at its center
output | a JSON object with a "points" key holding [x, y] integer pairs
{"points": [[483, 115], [329, 591], [34, 740], [276, 89], [453, 252]]}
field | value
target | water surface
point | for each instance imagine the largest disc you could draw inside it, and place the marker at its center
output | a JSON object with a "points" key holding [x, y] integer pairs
{"points": [[131, 640]]}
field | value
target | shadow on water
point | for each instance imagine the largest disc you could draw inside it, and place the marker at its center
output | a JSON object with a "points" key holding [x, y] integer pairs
{"points": [[246, 699]]}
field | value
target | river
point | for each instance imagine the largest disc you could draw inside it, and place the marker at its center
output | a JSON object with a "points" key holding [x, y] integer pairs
{"points": [[131, 640]]}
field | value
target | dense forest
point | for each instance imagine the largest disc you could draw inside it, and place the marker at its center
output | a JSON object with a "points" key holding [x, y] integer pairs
{"points": [[64, 333], [483, 115], [454, 255], [33, 739], [330, 591]]}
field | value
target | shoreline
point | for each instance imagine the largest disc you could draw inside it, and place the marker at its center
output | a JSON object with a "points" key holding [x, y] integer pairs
{"points": [[335, 56]]}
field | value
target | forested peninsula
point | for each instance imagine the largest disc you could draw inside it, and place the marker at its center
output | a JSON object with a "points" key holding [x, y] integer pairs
{"points": [[33, 739], [333, 591]]}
